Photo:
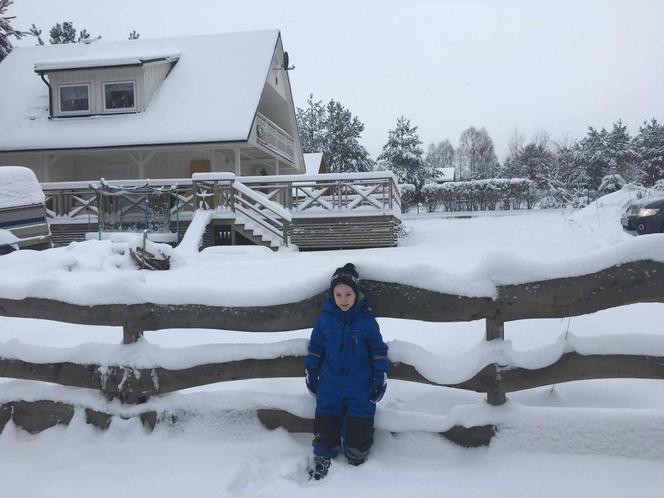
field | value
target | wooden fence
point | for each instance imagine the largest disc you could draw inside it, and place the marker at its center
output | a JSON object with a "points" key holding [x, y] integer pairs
{"points": [[641, 281]]}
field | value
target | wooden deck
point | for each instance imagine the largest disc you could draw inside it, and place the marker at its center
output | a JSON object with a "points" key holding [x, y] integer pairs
{"points": [[313, 212]]}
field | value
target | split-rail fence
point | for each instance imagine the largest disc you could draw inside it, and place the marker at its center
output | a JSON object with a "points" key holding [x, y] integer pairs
{"points": [[635, 282]]}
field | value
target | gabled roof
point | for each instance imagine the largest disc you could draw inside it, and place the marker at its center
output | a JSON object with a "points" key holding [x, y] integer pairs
{"points": [[211, 95]]}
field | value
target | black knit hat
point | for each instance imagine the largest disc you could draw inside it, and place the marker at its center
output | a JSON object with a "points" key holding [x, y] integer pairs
{"points": [[347, 274]]}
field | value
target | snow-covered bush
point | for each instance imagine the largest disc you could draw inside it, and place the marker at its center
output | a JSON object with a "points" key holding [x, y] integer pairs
{"points": [[431, 194], [610, 184], [408, 196], [491, 194], [659, 186]]}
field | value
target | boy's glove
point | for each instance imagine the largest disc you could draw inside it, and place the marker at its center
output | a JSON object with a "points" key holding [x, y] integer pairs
{"points": [[311, 378], [378, 387]]}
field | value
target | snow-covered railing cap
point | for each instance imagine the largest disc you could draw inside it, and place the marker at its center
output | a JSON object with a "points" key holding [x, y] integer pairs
{"points": [[97, 62], [212, 176]]}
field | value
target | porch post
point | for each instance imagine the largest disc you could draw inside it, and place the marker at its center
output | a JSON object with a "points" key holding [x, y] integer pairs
{"points": [[237, 161]]}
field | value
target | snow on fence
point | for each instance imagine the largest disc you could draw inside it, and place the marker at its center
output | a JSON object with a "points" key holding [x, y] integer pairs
{"points": [[133, 375]]}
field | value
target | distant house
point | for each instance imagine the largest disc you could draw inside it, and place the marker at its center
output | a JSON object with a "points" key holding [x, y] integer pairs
{"points": [[162, 108], [315, 163], [444, 175]]}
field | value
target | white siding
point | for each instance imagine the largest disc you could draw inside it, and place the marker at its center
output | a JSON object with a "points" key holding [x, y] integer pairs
{"points": [[154, 74]]}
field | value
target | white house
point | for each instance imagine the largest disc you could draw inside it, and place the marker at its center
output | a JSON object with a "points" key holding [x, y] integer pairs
{"points": [[162, 108], [444, 175]]}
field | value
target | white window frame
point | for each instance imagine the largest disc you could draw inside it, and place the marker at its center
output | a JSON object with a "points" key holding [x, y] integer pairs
{"points": [[106, 110], [76, 112]]}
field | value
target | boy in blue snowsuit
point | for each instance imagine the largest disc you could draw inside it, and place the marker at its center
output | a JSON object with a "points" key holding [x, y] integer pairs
{"points": [[346, 369]]}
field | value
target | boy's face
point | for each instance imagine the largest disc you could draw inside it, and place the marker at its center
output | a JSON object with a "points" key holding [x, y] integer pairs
{"points": [[344, 296]]}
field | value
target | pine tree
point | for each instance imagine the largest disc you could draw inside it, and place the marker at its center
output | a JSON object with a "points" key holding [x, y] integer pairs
{"points": [[566, 169], [649, 143], [6, 30], [342, 148], [333, 130], [311, 125], [593, 156], [623, 159], [36, 32], [403, 155], [62, 33]]}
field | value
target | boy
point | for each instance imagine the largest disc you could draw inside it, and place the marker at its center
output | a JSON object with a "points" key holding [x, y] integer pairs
{"points": [[346, 369]]}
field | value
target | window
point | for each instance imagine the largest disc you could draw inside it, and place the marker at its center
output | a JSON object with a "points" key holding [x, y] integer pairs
{"points": [[119, 96], [75, 98]]}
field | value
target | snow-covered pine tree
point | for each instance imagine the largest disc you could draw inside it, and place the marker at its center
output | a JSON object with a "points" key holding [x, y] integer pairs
{"points": [[62, 33], [403, 155], [649, 144], [623, 159], [342, 147], [593, 156], [311, 125], [36, 32], [567, 172], [6, 30], [333, 130]]}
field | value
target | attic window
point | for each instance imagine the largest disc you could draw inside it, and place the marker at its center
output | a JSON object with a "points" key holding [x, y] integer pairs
{"points": [[75, 98], [120, 96]]}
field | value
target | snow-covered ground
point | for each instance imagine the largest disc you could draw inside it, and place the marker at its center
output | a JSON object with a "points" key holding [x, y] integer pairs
{"points": [[592, 438]]}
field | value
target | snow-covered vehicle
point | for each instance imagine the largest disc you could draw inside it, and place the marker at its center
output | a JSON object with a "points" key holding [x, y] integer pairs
{"points": [[23, 223], [644, 217]]}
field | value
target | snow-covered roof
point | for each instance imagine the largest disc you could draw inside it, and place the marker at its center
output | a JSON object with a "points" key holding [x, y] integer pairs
{"points": [[211, 95], [19, 187], [312, 162], [445, 175], [109, 61]]}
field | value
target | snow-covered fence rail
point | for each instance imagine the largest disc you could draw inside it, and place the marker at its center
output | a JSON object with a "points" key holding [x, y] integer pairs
{"points": [[120, 377]]}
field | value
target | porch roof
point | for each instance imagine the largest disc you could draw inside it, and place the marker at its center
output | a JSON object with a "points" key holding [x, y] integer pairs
{"points": [[211, 95]]}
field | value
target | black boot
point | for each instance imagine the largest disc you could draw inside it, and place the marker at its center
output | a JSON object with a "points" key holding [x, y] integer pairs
{"points": [[320, 468]]}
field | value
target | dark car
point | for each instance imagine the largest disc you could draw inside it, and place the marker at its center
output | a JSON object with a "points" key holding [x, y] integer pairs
{"points": [[646, 216]]}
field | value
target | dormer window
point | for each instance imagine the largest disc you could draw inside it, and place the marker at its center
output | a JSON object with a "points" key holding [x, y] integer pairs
{"points": [[75, 98], [83, 87], [120, 96]]}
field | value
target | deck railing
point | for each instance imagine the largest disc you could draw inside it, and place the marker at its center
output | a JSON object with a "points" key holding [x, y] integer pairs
{"points": [[641, 281], [302, 195]]}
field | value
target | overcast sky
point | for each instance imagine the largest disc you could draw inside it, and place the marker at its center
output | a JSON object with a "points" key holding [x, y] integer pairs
{"points": [[555, 66]]}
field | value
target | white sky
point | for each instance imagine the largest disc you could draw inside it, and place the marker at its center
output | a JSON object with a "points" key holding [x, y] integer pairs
{"points": [[557, 66]]}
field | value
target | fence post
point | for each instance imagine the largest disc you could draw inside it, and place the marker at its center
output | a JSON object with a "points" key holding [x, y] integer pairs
{"points": [[495, 329]]}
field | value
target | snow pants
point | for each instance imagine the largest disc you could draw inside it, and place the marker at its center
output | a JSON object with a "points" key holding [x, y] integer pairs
{"points": [[353, 434]]}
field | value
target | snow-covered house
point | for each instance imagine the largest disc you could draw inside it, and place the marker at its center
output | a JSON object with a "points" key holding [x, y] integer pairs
{"points": [[162, 108], [444, 175], [314, 163]]}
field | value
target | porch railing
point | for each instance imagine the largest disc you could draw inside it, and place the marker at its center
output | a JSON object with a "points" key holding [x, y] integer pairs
{"points": [[302, 195], [274, 138]]}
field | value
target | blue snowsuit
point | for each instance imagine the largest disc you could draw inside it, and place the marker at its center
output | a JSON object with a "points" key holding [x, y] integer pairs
{"points": [[347, 351]]}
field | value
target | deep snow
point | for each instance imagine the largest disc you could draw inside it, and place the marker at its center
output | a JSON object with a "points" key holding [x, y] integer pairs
{"points": [[592, 438]]}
